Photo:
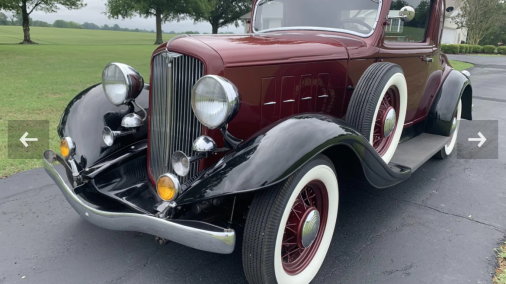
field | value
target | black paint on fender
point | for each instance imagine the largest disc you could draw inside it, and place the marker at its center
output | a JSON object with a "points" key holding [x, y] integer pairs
{"points": [[85, 117], [441, 114], [276, 152]]}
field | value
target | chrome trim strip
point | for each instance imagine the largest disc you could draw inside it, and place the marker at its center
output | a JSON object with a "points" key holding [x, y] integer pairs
{"points": [[289, 101], [215, 239], [269, 103], [306, 98], [323, 96], [174, 38], [380, 5]]}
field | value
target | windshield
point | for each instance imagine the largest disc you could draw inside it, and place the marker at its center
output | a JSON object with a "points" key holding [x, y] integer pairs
{"points": [[356, 16]]}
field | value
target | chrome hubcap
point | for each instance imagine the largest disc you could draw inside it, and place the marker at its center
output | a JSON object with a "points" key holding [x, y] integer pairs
{"points": [[389, 122], [310, 228]]}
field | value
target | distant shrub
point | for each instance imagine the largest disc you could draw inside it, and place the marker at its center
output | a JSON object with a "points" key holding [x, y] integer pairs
{"points": [[464, 48], [453, 48], [40, 24], [501, 50], [444, 48], [476, 48], [489, 49]]}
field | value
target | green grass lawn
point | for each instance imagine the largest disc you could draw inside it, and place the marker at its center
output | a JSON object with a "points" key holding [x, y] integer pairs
{"points": [[38, 81], [459, 65]]}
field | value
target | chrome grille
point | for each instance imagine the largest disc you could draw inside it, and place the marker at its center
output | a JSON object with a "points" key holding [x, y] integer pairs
{"points": [[173, 124]]}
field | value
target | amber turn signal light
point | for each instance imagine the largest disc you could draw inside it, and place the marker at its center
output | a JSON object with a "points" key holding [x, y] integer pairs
{"points": [[67, 147], [167, 187]]}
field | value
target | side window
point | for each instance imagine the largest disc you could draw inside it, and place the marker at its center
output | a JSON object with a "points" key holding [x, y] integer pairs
{"points": [[412, 31]]}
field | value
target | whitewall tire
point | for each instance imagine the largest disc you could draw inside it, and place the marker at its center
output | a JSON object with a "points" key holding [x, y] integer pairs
{"points": [[290, 227], [448, 149]]}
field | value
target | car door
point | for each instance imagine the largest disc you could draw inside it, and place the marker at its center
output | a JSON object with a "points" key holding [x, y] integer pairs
{"points": [[410, 45]]}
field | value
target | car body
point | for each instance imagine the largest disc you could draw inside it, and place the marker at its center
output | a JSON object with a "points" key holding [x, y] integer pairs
{"points": [[367, 95]]}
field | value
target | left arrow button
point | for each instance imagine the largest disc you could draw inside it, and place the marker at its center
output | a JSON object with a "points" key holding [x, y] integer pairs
{"points": [[23, 139]]}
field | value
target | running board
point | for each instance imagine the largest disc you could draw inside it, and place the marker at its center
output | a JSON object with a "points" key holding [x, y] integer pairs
{"points": [[415, 152]]}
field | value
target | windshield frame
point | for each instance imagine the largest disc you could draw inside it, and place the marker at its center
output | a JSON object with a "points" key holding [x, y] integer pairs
{"points": [[310, 28]]}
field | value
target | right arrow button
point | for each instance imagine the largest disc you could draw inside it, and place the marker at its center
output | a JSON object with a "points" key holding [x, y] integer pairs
{"points": [[482, 139]]}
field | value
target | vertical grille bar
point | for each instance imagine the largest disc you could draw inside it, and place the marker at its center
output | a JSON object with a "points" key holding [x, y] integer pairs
{"points": [[174, 126]]}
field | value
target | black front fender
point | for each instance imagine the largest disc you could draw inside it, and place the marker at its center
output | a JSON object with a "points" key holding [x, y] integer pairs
{"points": [[275, 153], [85, 117]]}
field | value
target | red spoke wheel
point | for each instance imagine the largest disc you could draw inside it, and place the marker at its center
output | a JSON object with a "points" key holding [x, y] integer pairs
{"points": [[378, 105], [290, 226], [386, 120], [305, 227]]}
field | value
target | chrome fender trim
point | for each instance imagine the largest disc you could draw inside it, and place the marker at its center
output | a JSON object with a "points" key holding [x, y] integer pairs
{"points": [[195, 234]]}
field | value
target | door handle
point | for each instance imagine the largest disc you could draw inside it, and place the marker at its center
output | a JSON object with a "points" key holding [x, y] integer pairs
{"points": [[427, 59]]}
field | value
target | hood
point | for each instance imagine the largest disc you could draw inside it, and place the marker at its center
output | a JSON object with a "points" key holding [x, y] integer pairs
{"points": [[278, 48]]}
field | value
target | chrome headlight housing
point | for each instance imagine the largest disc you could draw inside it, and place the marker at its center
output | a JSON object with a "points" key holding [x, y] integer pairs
{"points": [[121, 83], [215, 101]]}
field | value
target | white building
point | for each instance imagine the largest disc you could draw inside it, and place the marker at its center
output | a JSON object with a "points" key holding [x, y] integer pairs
{"points": [[246, 20], [452, 35]]}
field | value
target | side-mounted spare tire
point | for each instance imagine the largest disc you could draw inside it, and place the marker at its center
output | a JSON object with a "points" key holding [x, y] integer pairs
{"points": [[378, 107]]}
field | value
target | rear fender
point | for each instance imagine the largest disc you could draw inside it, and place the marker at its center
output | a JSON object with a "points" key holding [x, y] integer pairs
{"points": [[85, 117], [276, 152], [455, 87]]}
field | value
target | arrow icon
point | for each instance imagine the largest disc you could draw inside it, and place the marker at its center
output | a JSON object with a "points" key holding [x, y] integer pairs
{"points": [[482, 139], [23, 139]]}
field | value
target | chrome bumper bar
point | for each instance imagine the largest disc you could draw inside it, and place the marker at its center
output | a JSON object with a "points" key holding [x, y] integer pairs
{"points": [[195, 234]]}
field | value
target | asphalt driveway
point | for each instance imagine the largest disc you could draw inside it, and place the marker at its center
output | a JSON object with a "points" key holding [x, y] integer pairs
{"points": [[440, 226]]}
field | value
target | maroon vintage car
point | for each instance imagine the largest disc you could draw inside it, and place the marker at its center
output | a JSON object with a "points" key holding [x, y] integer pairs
{"points": [[254, 131]]}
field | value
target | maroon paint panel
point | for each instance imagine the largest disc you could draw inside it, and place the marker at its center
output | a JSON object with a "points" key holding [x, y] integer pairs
{"points": [[288, 105], [322, 93], [305, 93], [270, 101]]}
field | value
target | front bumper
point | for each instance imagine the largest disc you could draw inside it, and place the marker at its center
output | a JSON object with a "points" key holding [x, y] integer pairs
{"points": [[195, 234]]}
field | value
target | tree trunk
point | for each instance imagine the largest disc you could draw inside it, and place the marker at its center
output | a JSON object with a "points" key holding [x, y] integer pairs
{"points": [[26, 25], [159, 39], [215, 28]]}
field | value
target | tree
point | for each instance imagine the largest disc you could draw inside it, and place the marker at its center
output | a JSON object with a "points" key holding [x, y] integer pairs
{"points": [[3, 19], [399, 4], [498, 33], [90, 26], [162, 10], [15, 19], [421, 14], [60, 24], [26, 7], [479, 17], [221, 13], [40, 24]]}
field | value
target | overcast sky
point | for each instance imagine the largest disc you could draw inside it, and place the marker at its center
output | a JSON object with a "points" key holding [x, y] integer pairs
{"points": [[93, 13]]}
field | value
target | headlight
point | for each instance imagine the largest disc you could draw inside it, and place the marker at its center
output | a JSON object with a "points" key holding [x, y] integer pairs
{"points": [[121, 83], [215, 101]]}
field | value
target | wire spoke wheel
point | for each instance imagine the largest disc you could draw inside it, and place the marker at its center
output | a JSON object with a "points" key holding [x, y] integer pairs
{"points": [[384, 126], [305, 227]]}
